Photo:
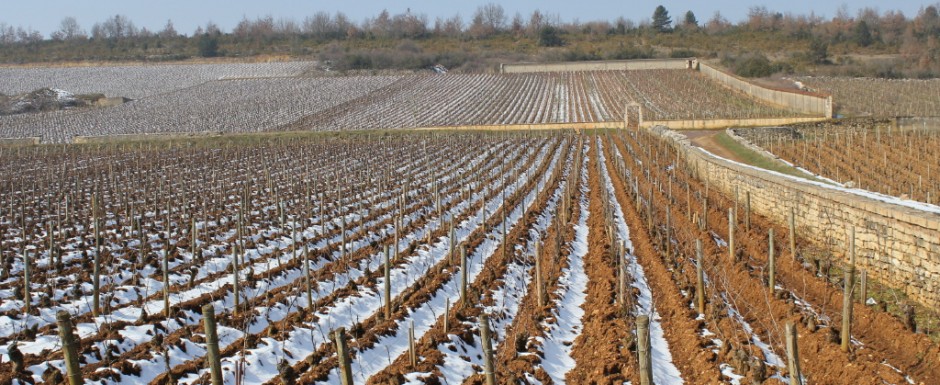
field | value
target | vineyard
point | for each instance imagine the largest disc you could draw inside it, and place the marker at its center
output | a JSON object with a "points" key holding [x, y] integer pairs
{"points": [[537, 258], [869, 155], [879, 97], [140, 81], [538, 98], [244, 105], [185, 105]]}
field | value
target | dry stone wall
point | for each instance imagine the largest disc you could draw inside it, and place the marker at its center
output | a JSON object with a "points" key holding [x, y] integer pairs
{"points": [[606, 65], [804, 103], [898, 245]]}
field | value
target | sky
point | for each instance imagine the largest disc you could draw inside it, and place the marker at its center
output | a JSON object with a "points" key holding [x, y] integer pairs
{"points": [[45, 15]]}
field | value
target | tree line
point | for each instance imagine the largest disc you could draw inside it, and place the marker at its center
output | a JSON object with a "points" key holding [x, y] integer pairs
{"points": [[806, 40]]}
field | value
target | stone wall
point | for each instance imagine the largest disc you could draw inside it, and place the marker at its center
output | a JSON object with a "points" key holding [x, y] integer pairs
{"points": [[20, 141], [798, 101], [606, 65], [709, 124], [898, 245]]}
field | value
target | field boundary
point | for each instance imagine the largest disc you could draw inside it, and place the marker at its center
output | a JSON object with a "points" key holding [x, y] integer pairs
{"points": [[798, 101], [599, 65], [714, 124], [894, 243], [27, 141]]}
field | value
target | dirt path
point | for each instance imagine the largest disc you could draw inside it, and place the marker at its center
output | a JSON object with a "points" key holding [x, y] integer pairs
{"points": [[706, 139], [683, 328], [600, 352]]}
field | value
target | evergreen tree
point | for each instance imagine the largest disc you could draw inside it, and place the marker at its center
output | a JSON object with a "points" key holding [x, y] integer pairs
{"points": [[661, 20], [862, 34], [548, 37], [690, 20], [208, 45]]}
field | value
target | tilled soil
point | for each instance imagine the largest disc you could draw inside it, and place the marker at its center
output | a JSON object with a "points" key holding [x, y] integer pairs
{"points": [[737, 339]]}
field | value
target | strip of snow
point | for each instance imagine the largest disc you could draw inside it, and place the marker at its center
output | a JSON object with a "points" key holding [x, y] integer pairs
{"points": [[664, 370], [455, 368], [259, 366], [156, 365], [572, 285], [368, 362]]}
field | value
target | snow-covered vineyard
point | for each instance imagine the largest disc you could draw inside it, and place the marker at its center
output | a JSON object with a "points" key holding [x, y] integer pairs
{"points": [[557, 244], [282, 96]]}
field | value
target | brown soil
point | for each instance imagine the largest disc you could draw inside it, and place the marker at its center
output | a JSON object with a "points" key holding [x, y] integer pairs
{"points": [[683, 332], [601, 352], [743, 283]]}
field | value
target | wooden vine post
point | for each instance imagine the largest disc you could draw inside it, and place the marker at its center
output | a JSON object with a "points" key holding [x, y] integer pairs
{"points": [[412, 350], [731, 234], [235, 289], [212, 344], [747, 210], [699, 277], [792, 225], [463, 276], [488, 370], [388, 285], [166, 266], [772, 262], [69, 348], [96, 273], [307, 279], [342, 353], [863, 287], [539, 284], [644, 349], [847, 312], [27, 297], [793, 355]]}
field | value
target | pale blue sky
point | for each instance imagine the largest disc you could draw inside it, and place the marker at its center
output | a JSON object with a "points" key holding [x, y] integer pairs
{"points": [[45, 15]]}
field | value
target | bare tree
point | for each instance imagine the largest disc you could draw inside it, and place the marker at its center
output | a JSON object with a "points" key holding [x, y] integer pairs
{"points": [[450, 27], [69, 29], [717, 23], [285, 26], [7, 34], [409, 25], [168, 31], [517, 26], [28, 35], [488, 20], [115, 27], [536, 21], [320, 25]]}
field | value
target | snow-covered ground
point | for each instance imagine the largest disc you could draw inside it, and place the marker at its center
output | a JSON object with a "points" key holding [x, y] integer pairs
{"points": [[664, 370], [558, 342], [515, 281]]}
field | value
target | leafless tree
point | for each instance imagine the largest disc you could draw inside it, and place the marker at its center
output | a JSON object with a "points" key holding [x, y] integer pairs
{"points": [[69, 29], [28, 35], [168, 31], [320, 25], [450, 27], [488, 20], [115, 27]]}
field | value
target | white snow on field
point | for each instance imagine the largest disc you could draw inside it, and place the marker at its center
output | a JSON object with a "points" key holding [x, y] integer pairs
{"points": [[456, 368], [302, 340], [156, 365], [368, 362], [664, 370], [557, 345]]}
